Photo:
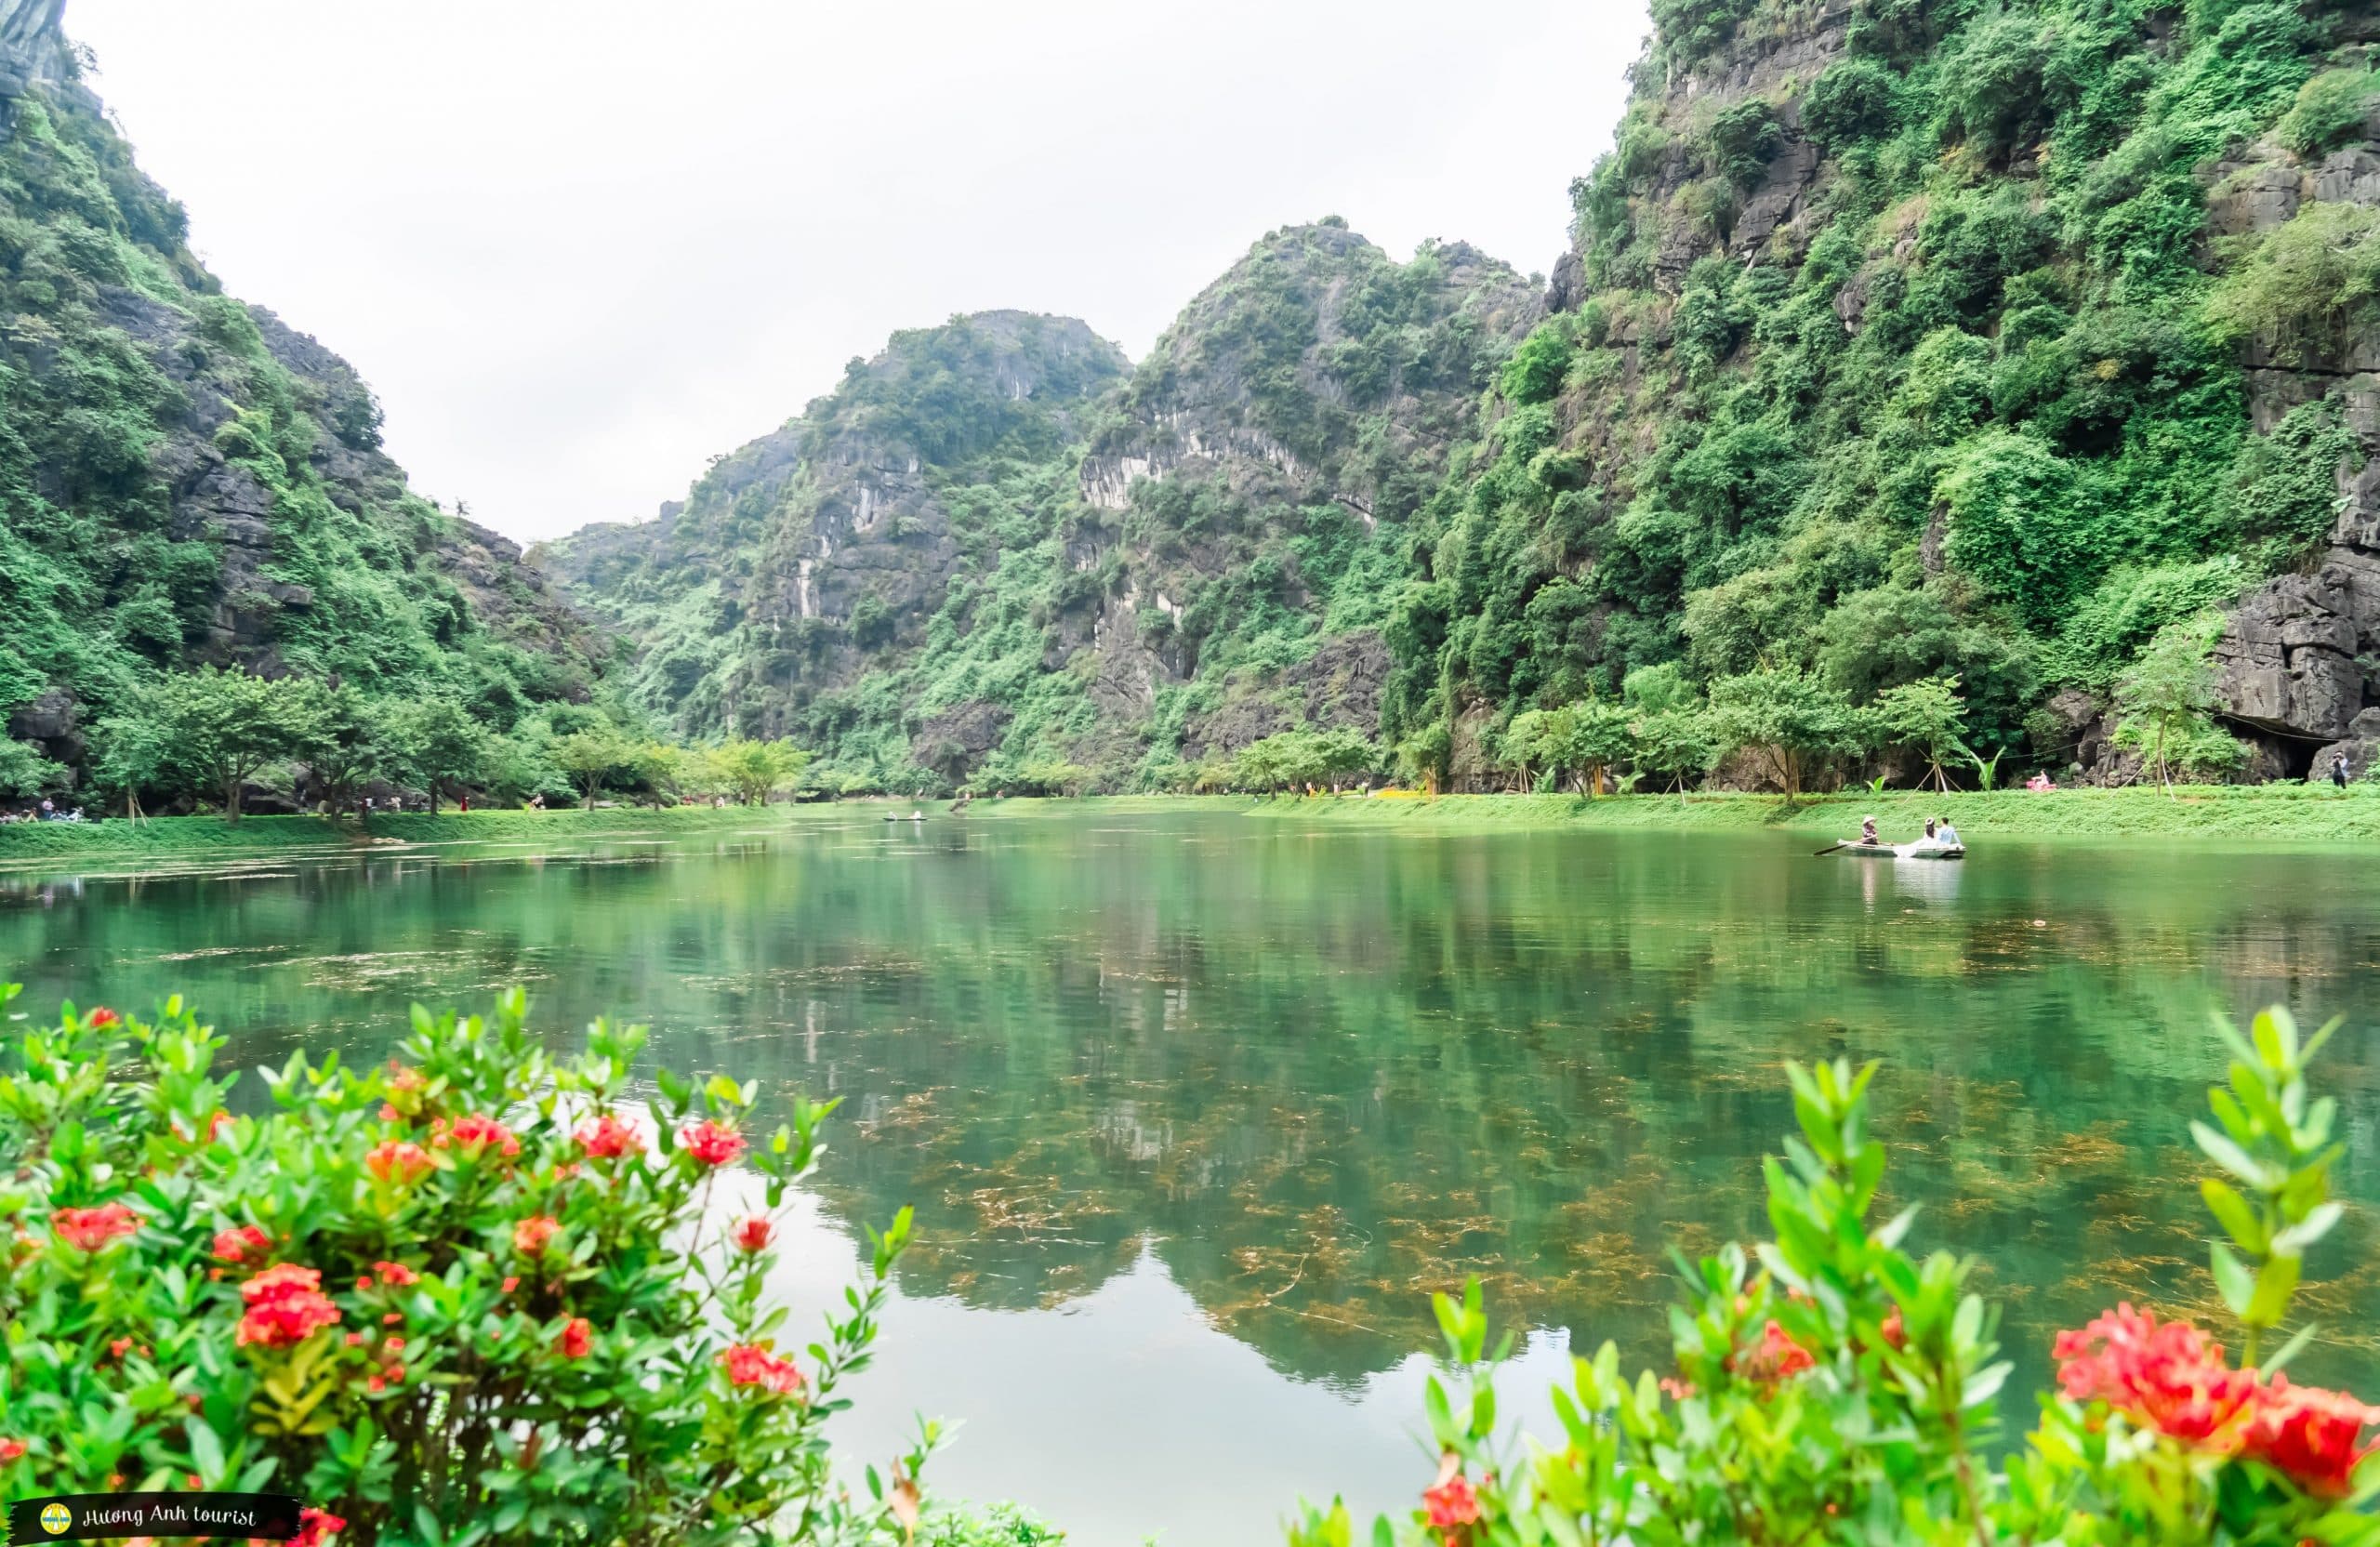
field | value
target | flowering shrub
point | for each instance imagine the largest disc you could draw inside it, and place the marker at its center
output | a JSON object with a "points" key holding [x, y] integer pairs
{"points": [[1831, 1388], [460, 1300]]}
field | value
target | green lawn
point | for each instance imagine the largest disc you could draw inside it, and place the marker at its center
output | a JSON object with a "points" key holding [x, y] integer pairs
{"points": [[202, 836], [2265, 813], [2279, 814]]}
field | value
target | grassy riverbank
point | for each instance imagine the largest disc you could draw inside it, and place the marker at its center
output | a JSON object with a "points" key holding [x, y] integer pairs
{"points": [[2277, 814], [2268, 814], [201, 837]]}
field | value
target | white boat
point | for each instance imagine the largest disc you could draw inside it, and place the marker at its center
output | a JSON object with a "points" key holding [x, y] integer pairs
{"points": [[1920, 850]]}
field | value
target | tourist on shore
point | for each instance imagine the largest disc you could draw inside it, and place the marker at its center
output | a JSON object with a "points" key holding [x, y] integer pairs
{"points": [[2338, 771]]}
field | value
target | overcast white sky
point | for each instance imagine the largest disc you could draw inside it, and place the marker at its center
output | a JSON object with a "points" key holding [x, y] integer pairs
{"points": [[579, 246]]}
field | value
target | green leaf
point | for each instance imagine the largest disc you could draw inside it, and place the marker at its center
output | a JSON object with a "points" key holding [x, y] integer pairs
{"points": [[2232, 1212], [205, 1450], [2231, 1280], [1985, 1383], [2232, 1157], [2289, 1350], [2274, 1286], [2294, 1241], [2314, 1043]]}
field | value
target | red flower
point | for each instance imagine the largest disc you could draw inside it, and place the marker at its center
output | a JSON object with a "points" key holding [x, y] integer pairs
{"points": [[1775, 1358], [2310, 1434], [749, 1364], [712, 1143], [530, 1237], [475, 1135], [285, 1307], [396, 1275], [754, 1234], [90, 1229], [2167, 1375], [399, 1162], [1675, 1389], [233, 1246], [10, 1450], [316, 1526], [577, 1339], [511, 1282], [103, 1018], [1452, 1500], [607, 1138], [1895, 1334]]}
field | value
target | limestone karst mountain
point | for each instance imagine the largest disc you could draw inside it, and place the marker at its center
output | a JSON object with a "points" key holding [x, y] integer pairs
{"points": [[1897, 338], [994, 554]]}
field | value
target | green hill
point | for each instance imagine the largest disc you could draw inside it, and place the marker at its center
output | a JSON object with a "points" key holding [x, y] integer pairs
{"points": [[186, 481]]}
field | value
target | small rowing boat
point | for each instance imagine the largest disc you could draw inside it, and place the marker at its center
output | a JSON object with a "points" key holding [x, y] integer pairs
{"points": [[1901, 850]]}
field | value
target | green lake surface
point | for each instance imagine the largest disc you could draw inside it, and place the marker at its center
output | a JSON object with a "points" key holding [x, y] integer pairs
{"points": [[1196, 1109]]}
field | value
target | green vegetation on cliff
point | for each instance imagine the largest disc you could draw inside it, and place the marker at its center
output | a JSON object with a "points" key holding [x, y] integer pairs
{"points": [[991, 557], [185, 480], [1943, 351], [1900, 344]]}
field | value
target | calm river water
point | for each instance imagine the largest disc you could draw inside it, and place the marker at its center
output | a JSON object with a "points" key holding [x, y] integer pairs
{"points": [[1196, 1108]]}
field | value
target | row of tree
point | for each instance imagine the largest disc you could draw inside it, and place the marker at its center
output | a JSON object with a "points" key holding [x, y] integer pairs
{"points": [[211, 734], [1787, 724], [1783, 728]]}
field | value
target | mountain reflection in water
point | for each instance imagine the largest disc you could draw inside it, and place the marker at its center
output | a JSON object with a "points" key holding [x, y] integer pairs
{"points": [[1196, 1108]]}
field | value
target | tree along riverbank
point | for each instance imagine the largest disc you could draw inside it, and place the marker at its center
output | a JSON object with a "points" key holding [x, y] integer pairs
{"points": [[2263, 814]]}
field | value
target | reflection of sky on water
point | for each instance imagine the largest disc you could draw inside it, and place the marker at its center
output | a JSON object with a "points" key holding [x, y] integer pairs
{"points": [[1190, 1435]]}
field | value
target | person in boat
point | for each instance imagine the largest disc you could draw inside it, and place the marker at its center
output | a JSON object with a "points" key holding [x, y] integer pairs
{"points": [[1946, 835], [1929, 839], [1867, 831]]}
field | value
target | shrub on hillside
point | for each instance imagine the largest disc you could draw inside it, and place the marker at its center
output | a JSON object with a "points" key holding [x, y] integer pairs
{"points": [[470, 1298], [1830, 1387]]}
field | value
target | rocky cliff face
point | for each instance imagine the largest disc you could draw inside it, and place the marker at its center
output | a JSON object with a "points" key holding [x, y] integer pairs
{"points": [[1108, 574], [1954, 338], [1260, 468], [187, 480], [2301, 658], [817, 554]]}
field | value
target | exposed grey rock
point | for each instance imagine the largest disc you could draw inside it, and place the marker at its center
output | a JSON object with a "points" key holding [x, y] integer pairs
{"points": [[52, 724], [2362, 754], [954, 742]]}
